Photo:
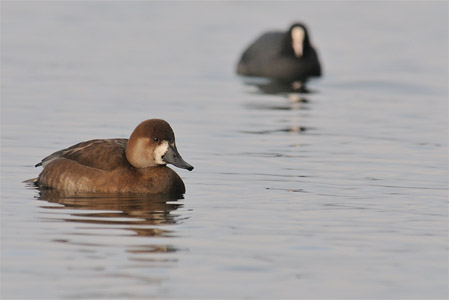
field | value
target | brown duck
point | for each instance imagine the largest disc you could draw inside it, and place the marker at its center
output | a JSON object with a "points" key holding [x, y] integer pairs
{"points": [[134, 165]]}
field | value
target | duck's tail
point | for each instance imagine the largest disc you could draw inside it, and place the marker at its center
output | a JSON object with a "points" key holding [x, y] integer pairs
{"points": [[31, 181]]}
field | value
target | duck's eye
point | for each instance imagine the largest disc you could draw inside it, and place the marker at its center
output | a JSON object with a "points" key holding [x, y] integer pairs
{"points": [[155, 139]]}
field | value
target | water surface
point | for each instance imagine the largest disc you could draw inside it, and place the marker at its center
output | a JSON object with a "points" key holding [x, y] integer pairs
{"points": [[336, 193]]}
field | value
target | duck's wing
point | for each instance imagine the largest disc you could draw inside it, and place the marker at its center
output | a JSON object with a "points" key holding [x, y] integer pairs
{"points": [[100, 154]]}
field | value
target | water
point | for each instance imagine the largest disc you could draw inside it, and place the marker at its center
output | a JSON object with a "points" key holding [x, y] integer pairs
{"points": [[339, 193]]}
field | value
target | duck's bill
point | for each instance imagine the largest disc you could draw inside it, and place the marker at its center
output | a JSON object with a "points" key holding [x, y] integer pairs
{"points": [[173, 157]]}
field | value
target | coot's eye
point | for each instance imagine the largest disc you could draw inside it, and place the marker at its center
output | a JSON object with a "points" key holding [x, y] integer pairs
{"points": [[155, 139]]}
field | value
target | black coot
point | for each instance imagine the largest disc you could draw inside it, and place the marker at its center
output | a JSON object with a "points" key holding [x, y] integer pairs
{"points": [[287, 56]]}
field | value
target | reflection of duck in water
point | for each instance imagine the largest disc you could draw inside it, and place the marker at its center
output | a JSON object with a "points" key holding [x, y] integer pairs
{"points": [[284, 56], [137, 165], [129, 210]]}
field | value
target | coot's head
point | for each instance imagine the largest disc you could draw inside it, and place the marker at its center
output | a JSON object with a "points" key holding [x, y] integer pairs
{"points": [[297, 41]]}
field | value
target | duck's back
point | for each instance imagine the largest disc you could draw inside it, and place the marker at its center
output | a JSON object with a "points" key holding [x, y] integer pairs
{"points": [[103, 154]]}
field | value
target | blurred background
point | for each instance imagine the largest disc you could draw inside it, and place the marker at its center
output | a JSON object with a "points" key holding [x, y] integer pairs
{"points": [[338, 193]]}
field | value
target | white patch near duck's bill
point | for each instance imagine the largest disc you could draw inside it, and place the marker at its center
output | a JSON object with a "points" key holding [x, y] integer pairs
{"points": [[159, 152], [298, 36]]}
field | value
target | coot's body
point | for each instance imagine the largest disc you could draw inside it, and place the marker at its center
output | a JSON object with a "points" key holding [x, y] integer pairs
{"points": [[286, 56]]}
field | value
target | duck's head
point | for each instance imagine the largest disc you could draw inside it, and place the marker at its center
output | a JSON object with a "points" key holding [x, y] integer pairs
{"points": [[152, 144], [297, 40]]}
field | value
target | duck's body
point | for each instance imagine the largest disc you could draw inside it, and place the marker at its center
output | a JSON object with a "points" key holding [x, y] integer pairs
{"points": [[137, 165], [286, 56]]}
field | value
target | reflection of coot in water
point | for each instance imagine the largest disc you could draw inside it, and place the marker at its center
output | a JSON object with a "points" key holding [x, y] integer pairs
{"points": [[116, 209], [277, 87], [286, 56]]}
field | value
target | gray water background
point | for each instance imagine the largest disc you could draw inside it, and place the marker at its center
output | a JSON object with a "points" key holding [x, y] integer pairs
{"points": [[340, 193]]}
